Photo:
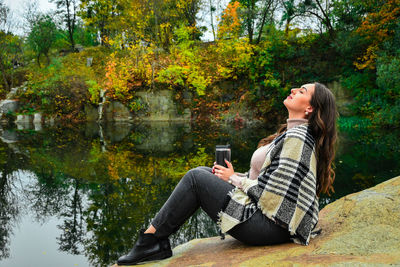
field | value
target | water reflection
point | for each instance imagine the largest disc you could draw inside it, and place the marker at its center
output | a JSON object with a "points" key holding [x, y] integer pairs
{"points": [[105, 182]]}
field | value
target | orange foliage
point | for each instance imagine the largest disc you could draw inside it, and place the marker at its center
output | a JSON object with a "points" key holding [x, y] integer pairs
{"points": [[230, 24], [377, 27]]}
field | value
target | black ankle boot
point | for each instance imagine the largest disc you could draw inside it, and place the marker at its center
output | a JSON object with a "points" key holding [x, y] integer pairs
{"points": [[147, 248]]}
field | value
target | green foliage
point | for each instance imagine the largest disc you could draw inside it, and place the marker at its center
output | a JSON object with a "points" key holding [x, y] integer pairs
{"points": [[388, 78], [388, 81], [178, 166], [361, 85], [377, 93], [126, 71], [42, 36], [68, 9], [149, 49], [137, 104], [387, 67], [94, 91], [348, 123], [388, 116], [82, 35], [63, 87], [11, 54], [186, 70], [173, 75], [85, 35], [61, 41]]}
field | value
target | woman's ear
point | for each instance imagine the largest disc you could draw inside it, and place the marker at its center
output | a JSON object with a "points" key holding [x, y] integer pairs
{"points": [[309, 109]]}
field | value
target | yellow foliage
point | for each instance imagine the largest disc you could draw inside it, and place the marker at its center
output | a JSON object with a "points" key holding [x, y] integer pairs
{"points": [[128, 70]]}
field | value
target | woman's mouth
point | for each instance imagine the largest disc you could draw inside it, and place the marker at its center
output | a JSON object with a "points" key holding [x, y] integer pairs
{"points": [[289, 97]]}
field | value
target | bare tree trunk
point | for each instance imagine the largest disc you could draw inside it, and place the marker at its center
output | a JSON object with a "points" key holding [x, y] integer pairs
{"points": [[326, 20], [250, 19], [70, 17], [70, 23], [288, 20], [212, 19], [266, 9], [103, 33]]}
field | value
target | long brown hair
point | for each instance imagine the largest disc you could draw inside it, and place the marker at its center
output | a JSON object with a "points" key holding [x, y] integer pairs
{"points": [[323, 127]]}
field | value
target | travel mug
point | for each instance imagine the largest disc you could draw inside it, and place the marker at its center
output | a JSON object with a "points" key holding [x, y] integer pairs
{"points": [[222, 152]]}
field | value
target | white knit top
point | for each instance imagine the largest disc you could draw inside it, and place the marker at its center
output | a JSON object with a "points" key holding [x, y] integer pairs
{"points": [[258, 158]]}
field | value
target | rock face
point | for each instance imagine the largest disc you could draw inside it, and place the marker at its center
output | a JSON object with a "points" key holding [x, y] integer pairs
{"points": [[361, 229], [343, 98], [116, 111], [161, 107], [91, 112], [8, 105]]}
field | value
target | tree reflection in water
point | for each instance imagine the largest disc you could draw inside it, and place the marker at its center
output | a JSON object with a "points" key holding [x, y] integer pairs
{"points": [[9, 198], [104, 191], [9, 211], [73, 231]]}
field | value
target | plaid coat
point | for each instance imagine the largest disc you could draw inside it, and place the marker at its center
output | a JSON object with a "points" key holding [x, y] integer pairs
{"points": [[285, 190]]}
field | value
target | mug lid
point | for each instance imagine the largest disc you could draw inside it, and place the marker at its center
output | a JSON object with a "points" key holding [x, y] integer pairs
{"points": [[223, 146]]}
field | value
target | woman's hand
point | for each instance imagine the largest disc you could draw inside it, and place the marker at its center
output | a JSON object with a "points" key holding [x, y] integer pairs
{"points": [[222, 172]]}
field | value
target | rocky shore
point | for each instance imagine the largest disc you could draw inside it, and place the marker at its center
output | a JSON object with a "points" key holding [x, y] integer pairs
{"points": [[360, 229]]}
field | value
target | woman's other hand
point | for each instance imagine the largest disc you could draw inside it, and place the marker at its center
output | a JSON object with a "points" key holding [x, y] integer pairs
{"points": [[222, 172]]}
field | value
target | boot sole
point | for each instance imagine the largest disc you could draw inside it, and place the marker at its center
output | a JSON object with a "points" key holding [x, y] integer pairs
{"points": [[159, 256]]}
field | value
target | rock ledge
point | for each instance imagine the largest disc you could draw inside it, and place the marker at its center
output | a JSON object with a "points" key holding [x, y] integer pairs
{"points": [[360, 229]]}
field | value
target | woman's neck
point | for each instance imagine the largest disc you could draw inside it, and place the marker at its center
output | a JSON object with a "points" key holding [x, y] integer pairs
{"points": [[295, 122]]}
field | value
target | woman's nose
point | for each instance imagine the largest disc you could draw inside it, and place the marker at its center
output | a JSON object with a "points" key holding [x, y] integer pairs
{"points": [[293, 90]]}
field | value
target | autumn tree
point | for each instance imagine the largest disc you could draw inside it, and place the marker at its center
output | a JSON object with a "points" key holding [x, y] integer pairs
{"points": [[68, 10], [378, 27], [230, 24], [255, 15], [99, 14], [289, 13], [151, 21], [321, 10], [156, 20]]}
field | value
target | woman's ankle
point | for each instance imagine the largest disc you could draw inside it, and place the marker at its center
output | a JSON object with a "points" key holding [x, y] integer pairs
{"points": [[150, 230]]}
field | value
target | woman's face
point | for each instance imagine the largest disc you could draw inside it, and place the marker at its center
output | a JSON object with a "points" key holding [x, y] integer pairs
{"points": [[298, 102]]}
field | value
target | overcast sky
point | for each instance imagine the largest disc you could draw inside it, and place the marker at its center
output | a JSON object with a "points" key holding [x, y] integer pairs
{"points": [[18, 7]]}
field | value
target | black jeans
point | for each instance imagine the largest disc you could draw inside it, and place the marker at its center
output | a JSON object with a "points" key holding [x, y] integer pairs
{"points": [[200, 188]]}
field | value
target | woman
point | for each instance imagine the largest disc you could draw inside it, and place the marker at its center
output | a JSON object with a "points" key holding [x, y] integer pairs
{"points": [[277, 201]]}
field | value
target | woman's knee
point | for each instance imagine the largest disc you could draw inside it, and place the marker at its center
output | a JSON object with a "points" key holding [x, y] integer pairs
{"points": [[197, 176], [204, 168], [192, 175]]}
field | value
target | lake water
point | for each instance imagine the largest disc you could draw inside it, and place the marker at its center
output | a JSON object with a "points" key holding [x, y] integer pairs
{"points": [[77, 195]]}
